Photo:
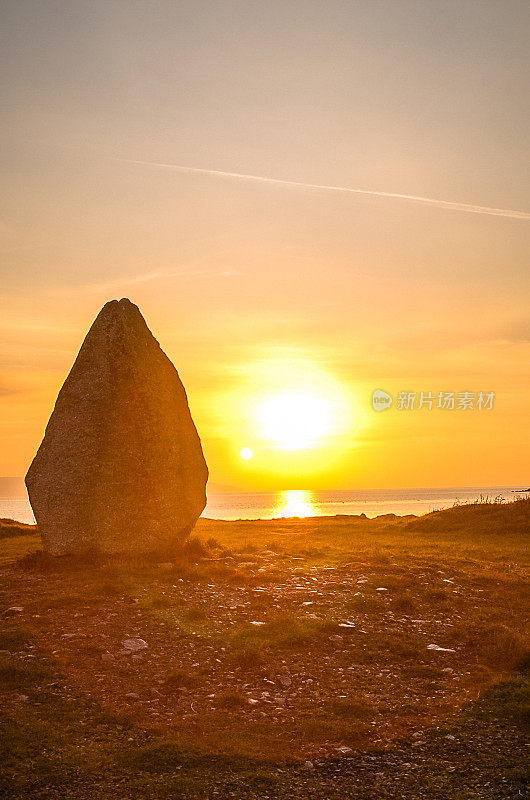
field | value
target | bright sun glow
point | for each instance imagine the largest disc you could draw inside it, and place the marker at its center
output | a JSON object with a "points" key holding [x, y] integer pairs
{"points": [[296, 503], [246, 453], [294, 420]]}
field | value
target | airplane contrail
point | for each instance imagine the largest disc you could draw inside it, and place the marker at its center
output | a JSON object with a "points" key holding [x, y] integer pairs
{"points": [[448, 204]]}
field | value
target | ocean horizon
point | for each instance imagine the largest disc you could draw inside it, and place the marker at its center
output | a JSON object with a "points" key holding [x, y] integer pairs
{"points": [[306, 503]]}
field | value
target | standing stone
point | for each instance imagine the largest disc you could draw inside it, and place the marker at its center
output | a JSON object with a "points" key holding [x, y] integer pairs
{"points": [[120, 468]]}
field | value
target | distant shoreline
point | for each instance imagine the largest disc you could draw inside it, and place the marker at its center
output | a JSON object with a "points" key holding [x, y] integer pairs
{"points": [[292, 504]]}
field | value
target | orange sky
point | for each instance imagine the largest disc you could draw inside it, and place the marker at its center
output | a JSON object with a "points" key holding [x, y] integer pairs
{"points": [[252, 286]]}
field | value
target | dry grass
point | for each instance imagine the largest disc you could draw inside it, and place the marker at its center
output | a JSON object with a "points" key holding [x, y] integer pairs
{"points": [[10, 528], [180, 679], [334, 661], [349, 708]]}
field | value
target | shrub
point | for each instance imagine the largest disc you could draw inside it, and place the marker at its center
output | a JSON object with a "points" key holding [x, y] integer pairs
{"points": [[213, 544], [194, 550]]}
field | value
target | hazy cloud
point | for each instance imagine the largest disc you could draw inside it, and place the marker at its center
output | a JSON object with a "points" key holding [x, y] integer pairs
{"points": [[145, 277], [7, 389]]}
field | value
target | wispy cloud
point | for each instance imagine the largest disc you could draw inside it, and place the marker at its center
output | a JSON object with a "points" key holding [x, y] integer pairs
{"points": [[7, 388], [446, 204], [147, 277], [144, 277]]}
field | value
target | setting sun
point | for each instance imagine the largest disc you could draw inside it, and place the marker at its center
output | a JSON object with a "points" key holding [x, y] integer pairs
{"points": [[294, 420], [283, 419]]}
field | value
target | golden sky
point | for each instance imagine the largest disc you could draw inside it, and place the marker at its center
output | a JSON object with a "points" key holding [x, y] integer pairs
{"points": [[269, 295]]}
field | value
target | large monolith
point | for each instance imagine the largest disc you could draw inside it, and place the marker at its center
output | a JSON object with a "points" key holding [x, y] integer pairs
{"points": [[120, 468]]}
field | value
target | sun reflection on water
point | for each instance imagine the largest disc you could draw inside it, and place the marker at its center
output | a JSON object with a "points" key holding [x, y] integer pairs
{"points": [[295, 503]]}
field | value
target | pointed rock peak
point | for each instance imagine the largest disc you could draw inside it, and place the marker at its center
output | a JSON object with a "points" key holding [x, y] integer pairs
{"points": [[123, 309]]}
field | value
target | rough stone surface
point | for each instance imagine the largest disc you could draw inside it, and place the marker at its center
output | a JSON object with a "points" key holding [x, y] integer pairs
{"points": [[134, 644], [120, 468]]}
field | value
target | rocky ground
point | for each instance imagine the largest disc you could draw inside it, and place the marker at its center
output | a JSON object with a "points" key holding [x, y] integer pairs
{"points": [[329, 658]]}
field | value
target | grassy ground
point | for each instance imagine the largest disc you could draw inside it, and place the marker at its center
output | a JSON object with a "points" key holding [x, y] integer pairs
{"points": [[323, 658]]}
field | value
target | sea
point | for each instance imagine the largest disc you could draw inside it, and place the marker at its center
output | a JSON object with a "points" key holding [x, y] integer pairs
{"points": [[306, 503]]}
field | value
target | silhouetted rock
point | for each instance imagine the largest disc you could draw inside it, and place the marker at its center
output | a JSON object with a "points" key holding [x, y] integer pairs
{"points": [[121, 466]]}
